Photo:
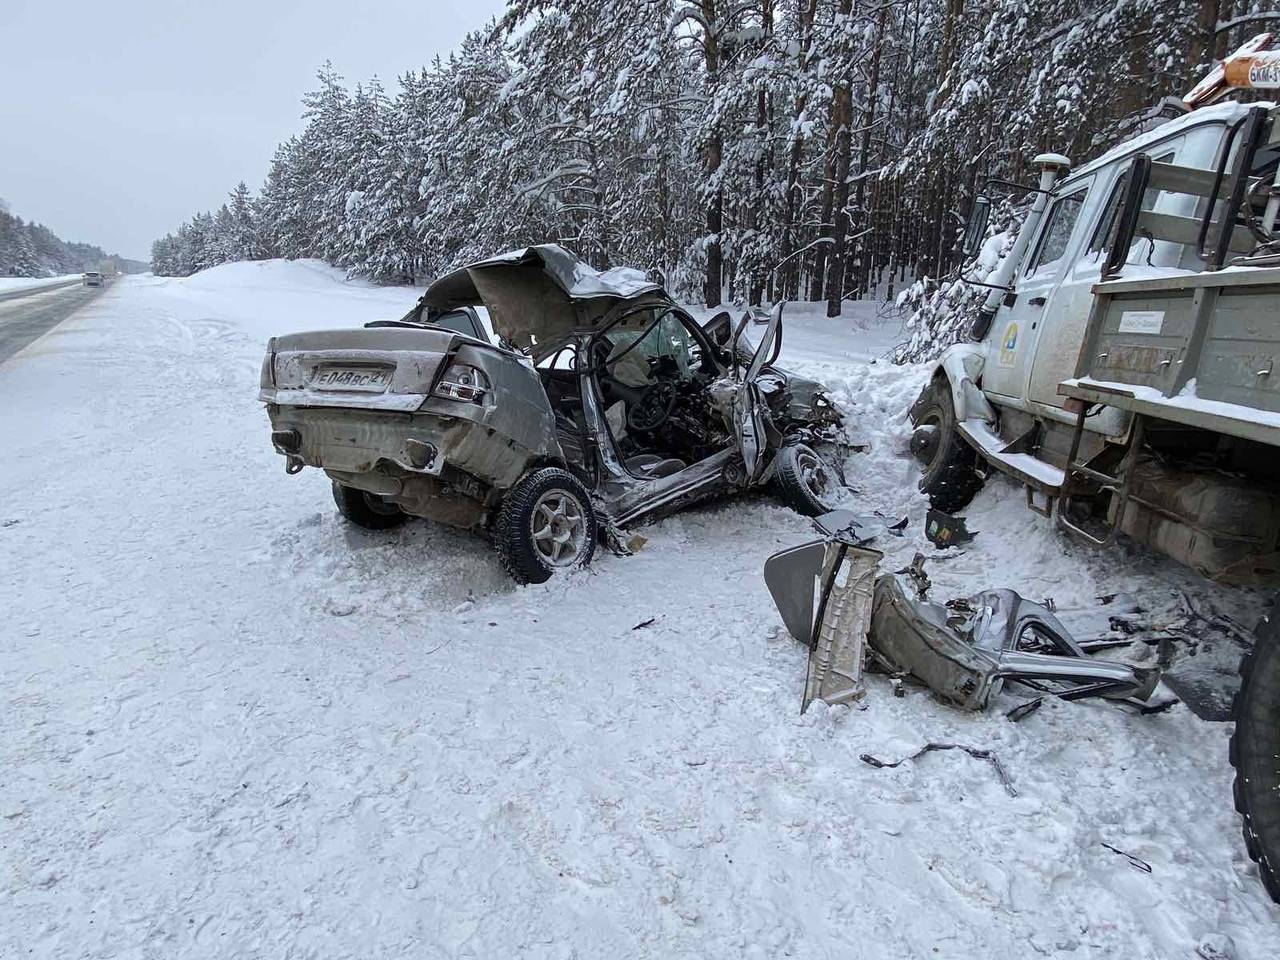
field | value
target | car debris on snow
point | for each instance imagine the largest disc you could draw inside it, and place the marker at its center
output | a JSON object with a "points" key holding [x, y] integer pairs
{"points": [[979, 753], [943, 530], [965, 651], [823, 590]]}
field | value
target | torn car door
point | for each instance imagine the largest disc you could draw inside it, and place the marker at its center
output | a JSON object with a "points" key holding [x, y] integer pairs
{"points": [[749, 405], [835, 575]]}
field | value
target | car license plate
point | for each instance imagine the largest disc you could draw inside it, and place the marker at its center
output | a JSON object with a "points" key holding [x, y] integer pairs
{"points": [[359, 379]]}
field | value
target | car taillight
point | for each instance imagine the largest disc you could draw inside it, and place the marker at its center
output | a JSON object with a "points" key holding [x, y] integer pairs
{"points": [[267, 376], [462, 382]]}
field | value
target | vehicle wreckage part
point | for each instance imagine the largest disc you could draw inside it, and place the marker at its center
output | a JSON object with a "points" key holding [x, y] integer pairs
{"points": [[976, 752], [805, 481], [943, 530], [366, 509], [948, 464], [965, 652], [792, 574], [1255, 752], [546, 524], [835, 575], [834, 672]]}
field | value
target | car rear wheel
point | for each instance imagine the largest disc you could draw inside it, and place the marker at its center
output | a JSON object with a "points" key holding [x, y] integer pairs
{"points": [[1255, 752], [948, 465], [365, 509], [546, 524], [805, 481]]}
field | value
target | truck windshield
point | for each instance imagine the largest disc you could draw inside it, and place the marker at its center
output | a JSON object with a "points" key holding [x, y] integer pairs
{"points": [[1057, 232]]}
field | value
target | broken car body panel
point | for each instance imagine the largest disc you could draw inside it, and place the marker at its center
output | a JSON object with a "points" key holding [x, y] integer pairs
{"points": [[834, 576], [965, 652]]}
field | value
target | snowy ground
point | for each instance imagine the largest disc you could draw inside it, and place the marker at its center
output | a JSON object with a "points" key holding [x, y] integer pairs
{"points": [[236, 727]]}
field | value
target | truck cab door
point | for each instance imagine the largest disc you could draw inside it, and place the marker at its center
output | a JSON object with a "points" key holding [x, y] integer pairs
{"points": [[1062, 333], [1011, 343]]}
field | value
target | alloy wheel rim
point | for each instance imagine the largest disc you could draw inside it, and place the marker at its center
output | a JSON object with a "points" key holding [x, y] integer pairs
{"points": [[813, 473], [558, 527]]}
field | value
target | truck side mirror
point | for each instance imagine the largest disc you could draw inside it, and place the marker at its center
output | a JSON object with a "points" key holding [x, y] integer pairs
{"points": [[975, 231]]}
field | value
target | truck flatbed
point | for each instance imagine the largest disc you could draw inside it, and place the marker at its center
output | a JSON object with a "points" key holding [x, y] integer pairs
{"points": [[1198, 349]]}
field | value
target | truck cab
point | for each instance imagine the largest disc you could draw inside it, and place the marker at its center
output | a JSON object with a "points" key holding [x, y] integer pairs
{"points": [[1161, 224]]}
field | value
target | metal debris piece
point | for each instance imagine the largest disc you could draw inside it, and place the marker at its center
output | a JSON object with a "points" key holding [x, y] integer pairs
{"points": [[943, 530], [965, 651], [918, 577], [834, 673], [976, 752], [823, 590], [1136, 862]]}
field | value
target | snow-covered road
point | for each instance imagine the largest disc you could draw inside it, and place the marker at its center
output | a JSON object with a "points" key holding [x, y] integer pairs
{"points": [[235, 727]]}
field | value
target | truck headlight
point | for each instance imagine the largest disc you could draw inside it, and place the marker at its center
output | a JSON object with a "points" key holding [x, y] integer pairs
{"points": [[462, 382]]}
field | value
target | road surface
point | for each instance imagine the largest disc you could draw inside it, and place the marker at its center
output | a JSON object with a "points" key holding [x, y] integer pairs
{"points": [[28, 314]]}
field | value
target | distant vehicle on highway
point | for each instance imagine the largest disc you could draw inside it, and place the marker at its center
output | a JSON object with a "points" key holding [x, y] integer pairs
{"points": [[93, 279]]}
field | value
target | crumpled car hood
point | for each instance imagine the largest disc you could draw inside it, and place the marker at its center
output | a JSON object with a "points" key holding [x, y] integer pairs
{"points": [[539, 293]]}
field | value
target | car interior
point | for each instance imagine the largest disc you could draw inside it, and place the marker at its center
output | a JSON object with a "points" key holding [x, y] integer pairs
{"points": [[651, 370]]}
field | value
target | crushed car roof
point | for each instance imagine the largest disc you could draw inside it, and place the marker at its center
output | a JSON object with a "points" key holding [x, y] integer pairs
{"points": [[540, 292]]}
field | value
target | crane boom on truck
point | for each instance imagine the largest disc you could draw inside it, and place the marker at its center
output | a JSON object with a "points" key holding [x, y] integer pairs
{"points": [[1125, 369]]}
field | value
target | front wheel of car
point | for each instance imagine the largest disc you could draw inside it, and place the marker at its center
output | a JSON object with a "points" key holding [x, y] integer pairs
{"points": [[365, 509], [805, 481], [546, 525]]}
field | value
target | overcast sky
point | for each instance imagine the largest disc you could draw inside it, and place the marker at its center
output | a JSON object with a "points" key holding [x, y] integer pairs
{"points": [[119, 119]]}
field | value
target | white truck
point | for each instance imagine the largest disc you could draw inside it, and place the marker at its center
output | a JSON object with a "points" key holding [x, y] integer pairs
{"points": [[1122, 368]]}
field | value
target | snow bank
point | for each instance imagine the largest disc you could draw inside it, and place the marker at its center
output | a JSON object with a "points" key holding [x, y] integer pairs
{"points": [[269, 297], [24, 283], [236, 726]]}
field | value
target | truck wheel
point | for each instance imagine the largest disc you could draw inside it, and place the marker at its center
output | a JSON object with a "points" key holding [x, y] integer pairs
{"points": [[948, 465], [805, 481], [1255, 751], [366, 510], [546, 524]]}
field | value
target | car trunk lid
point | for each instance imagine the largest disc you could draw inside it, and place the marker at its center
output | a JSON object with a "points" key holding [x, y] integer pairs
{"points": [[380, 368]]}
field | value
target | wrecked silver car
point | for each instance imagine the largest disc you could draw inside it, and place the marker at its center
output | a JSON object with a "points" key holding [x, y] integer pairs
{"points": [[602, 403]]}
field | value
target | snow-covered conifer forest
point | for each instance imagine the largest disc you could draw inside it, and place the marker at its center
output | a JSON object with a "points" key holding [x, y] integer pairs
{"points": [[30, 249], [781, 149]]}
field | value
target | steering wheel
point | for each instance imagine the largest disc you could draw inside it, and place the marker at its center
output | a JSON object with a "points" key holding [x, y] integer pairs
{"points": [[652, 408]]}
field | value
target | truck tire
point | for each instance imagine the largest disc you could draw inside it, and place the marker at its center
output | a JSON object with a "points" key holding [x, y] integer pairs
{"points": [[366, 510], [948, 464], [1255, 751], [546, 524], [804, 480]]}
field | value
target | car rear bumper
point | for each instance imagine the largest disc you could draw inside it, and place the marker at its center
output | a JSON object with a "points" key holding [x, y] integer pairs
{"points": [[424, 444]]}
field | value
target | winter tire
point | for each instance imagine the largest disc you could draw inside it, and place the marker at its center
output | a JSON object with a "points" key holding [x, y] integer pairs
{"points": [[1255, 751], [949, 472], [805, 481], [367, 510], [546, 524]]}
